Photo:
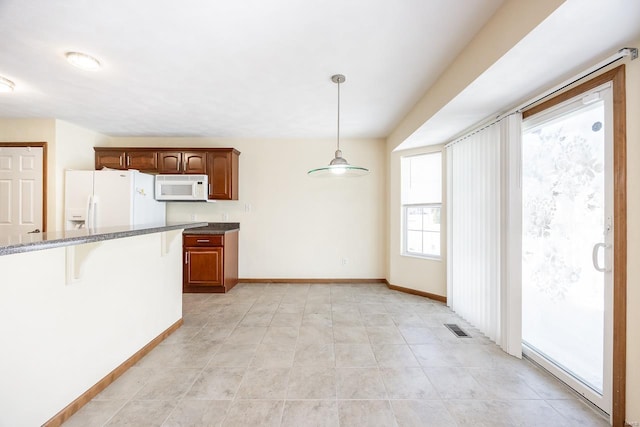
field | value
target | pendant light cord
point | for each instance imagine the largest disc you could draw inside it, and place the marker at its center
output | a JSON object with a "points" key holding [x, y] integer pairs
{"points": [[338, 114]]}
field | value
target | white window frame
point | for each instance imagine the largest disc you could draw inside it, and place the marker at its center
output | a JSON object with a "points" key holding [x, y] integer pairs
{"points": [[431, 204], [405, 222]]}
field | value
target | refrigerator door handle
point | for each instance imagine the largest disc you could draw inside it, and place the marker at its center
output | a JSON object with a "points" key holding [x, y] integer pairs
{"points": [[87, 217], [91, 212], [94, 214]]}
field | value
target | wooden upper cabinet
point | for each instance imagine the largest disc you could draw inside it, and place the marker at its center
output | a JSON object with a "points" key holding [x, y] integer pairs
{"points": [[169, 162], [222, 169], [112, 159], [194, 162], [182, 162], [142, 160], [219, 164]]}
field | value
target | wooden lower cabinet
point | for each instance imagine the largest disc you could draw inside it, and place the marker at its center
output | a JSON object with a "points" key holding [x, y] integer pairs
{"points": [[204, 266], [210, 262]]}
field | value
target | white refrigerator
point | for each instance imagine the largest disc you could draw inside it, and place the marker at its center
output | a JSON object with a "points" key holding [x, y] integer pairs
{"points": [[97, 199]]}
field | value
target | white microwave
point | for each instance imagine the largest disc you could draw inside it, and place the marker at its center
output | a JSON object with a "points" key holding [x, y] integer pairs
{"points": [[182, 187]]}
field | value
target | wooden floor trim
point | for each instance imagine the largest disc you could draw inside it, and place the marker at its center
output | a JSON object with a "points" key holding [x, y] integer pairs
{"points": [[312, 281], [429, 295], [85, 397], [329, 281]]}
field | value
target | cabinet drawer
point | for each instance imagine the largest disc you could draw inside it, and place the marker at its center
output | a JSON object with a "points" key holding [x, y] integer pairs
{"points": [[203, 240]]}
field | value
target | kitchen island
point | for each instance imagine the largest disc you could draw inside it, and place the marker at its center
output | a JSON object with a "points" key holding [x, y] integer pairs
{"points": [[77, 308]]}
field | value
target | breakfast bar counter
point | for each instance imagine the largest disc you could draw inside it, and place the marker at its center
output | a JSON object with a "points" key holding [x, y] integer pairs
{"points": [[39, 241], [77, 308]]}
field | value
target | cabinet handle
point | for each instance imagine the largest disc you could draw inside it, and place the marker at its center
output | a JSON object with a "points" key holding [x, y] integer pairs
{"points": [[203, 240], [128, 160], [120, 161], [186, 257]]}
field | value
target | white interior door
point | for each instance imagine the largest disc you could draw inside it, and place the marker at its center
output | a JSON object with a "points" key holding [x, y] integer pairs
{"points": [[21, 187], [567, 237]]}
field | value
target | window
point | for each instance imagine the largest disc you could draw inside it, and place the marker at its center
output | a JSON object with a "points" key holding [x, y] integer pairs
{"points": [[421, 186]]}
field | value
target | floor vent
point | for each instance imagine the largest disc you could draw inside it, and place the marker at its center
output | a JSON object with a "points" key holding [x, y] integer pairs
{"points": [[457, 330]]}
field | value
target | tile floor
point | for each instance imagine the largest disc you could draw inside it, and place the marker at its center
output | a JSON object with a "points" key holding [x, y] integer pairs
{"points": [[329, 355]]}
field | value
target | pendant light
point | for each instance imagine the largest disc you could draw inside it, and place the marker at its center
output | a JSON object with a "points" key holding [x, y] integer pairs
{"points": [[338, 167]]}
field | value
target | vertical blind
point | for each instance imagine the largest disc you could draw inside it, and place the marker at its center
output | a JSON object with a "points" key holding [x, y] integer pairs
{"points": [[480, 180]]}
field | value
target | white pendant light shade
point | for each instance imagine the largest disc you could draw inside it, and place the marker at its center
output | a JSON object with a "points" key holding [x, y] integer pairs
{"points": [[339, 166]]}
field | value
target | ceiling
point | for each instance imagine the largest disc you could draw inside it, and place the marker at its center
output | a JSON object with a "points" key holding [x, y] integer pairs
{"points": [[261, 69], [578, 35], [233, 69]]}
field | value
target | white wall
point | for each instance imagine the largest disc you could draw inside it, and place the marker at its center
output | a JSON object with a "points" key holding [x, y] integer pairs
{"points": [[425, 275], [291, 225], [58, 340]]}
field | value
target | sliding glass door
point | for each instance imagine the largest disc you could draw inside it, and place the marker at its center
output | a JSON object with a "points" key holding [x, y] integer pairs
{"points": [[567, 234]]}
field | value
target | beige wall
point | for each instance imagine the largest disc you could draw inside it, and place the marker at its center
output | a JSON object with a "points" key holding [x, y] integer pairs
{"points": [[73, 150], [36, 130], [514, 20], [293, 226], [633, 239], [425, 275], [68, 147]]}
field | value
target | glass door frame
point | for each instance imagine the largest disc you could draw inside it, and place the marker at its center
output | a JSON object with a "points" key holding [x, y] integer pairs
{"points": [[575, 105], [619, 312]]}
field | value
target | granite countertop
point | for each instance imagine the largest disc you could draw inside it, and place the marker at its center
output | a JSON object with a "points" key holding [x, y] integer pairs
{"points": [[214, 228], [40, 241]]}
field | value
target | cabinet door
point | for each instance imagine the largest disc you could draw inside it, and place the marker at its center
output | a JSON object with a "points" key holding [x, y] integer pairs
{"points": [[113, 159], [194, 162], [169, 162], [220, 168], [204, 266], [145, 161]]}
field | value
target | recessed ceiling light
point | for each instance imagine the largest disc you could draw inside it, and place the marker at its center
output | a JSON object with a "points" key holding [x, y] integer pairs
{"points": [[83, 61], [6, 85]]}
